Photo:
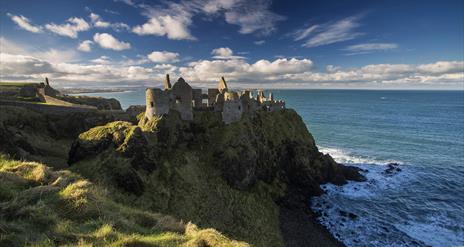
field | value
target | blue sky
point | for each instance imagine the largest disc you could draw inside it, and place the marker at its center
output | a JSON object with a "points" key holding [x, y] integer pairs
{"points": [[282, 44]]}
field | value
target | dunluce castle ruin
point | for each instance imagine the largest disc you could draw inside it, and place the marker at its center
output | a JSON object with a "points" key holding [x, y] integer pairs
{"points": [[184, 99]]}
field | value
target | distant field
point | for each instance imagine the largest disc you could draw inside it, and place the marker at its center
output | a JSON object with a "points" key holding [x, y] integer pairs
{"points": [[16, 84]]}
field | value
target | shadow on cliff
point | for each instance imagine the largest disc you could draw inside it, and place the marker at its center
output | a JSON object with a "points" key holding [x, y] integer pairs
{"points": [[236, 178]]}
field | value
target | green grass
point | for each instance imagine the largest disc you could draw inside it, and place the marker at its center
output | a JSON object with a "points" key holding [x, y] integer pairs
{"points": [[183, 175], [17, 84], [42, 207]]}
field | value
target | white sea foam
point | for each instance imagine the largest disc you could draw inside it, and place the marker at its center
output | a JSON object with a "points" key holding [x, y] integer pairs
{"points": [[374, 231], [345, 157], [435, 231]]}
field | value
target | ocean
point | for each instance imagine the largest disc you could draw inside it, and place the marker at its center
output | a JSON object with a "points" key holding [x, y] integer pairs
{"points": [[419, 204]]}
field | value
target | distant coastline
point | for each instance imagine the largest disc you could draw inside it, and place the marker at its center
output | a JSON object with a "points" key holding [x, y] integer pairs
{"points": [[94, 90]]}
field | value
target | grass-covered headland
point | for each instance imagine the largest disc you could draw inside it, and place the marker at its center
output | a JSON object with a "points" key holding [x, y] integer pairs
{"points": [[86, 180]]}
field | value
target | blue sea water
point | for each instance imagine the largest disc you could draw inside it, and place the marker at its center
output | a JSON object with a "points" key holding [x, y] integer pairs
{"points": [[423, 131]]}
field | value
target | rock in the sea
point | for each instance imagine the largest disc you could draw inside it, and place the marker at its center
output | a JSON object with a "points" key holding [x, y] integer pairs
{"points": [[391, 169]]}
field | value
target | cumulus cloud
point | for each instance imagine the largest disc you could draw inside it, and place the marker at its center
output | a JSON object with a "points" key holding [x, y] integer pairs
{"points": [[101, 60], [173, 19], [329, 33], [208, 70], [224, 53], [172, 22], [70, 28], [25, 23], [85, 46], [442, 67], [107, 41], [163, 57], [23, 65], [98, 22], [55, 55]]}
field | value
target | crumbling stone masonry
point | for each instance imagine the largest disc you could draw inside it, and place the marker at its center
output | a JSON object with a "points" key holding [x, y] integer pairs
{"points": [[182, 98]]}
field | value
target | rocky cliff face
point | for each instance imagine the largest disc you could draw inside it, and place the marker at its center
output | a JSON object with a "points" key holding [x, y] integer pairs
{"points": [[235, 178]]}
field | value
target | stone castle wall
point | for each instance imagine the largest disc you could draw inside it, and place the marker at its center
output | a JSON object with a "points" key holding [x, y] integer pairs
{"points": [[182, 98]]}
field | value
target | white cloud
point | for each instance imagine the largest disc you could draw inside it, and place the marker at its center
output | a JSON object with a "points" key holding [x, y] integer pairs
{"points": [[97, 21], [163, 57], [224, 53], [372, 47], [329, 33], [101, 60], [107, 41], [173, 20], [442, 67], [25, 23], [305, 32], [253, 16], [128, 2], [259, 42], [85, 46], [70, 28], [56, 55], [20, 64], [260, 71]]}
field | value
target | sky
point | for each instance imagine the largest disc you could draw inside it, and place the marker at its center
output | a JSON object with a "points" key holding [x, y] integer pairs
{"points": [[253, 44]]}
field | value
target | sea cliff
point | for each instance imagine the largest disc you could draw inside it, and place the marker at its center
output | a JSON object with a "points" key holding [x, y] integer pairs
{"points": [[250, 180]]}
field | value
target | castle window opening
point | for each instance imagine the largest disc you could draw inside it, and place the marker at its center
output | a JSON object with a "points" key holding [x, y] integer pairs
{"points": [[151, 103]]}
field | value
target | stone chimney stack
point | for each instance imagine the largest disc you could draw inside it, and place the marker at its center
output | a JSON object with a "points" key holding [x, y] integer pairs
{"points": [[222, 85], [46, 81], [167, 83]]}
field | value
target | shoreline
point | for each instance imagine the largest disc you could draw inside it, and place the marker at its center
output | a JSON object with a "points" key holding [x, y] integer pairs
{"points": [[299, 227]]}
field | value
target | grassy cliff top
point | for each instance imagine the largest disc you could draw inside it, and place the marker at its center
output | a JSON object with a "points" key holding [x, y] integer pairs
{"points": [[42, 207], [18, 84]]}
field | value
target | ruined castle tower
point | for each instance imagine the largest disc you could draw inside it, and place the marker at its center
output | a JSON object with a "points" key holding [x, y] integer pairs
{"points": [[222, 85], [183, 99], [232, 108], [197, 97], [212, 94], [46, 89], [157, 102], [182, 94], [260, 97], [167, 83]]}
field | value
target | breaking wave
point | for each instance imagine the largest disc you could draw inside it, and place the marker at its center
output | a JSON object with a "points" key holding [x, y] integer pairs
{"points": [[376, 212]]}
